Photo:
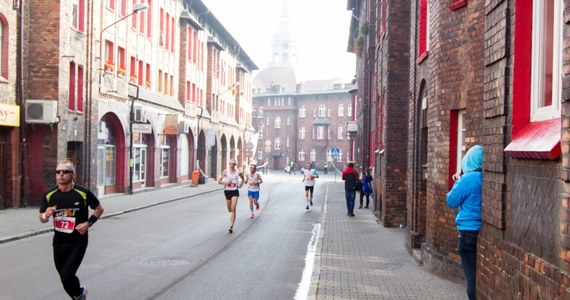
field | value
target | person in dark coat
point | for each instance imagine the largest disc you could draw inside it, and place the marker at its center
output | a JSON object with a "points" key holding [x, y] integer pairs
{"points": [[350, 177]]}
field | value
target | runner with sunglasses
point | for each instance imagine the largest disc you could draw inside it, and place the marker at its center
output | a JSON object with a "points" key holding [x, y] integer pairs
{"points": [[68, 204]]}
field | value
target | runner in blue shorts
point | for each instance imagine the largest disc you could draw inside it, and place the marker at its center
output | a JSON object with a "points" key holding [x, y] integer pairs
{"points": [[253, 180]]}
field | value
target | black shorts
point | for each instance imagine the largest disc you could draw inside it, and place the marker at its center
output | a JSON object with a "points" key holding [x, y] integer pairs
{"points": [[309, 188], [231, 193]]}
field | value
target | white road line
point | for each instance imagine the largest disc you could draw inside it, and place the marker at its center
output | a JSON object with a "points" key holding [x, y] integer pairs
{"points": [[303, 289]]}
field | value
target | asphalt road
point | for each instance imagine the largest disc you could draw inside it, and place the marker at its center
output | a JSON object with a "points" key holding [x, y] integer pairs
{"points": [[182, 250]]}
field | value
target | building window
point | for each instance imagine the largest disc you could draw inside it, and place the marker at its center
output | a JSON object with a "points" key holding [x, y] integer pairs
{"points": [[313, 155], [537, 94], [301, 155], [322, 110], [349, 110], [320, 133], [75, 87], [340, 133], [546, 60], [121, 62], [341, 110], [78, 15], [277, 122], [261, 132], [302, 133], [277, 143], [164, 155], [302, 112], [288, 121], [109, 59], [287, 144], [423, 43]]}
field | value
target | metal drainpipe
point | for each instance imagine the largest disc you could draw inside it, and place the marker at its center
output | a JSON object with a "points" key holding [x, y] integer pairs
{"points": [[20, 100], [416, 154]]}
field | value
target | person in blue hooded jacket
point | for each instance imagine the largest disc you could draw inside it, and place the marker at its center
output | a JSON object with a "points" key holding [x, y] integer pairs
{"points": [[466, 195]]}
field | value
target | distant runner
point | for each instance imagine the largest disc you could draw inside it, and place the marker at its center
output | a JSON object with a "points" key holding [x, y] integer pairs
{"points": [[253, 180], [309, 175]]}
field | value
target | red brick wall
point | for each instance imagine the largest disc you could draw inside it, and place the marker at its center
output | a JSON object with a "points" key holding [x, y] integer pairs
{"points": [[453, 75]]}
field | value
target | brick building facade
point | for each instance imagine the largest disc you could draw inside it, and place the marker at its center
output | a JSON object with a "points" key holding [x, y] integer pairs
{"points": [[482, 72], [138, 94], [11, 180]]}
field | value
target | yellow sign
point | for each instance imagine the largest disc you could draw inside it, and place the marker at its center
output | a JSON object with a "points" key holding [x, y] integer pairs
{"points": [[9, 115]]}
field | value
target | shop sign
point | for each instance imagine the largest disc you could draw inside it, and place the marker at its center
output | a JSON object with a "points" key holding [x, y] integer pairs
{"points": [[9, 115]]}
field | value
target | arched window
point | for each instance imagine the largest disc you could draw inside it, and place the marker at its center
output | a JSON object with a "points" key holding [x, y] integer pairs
{"points": [[322, 110], [341, 110], [302, 112], [278, 122]]}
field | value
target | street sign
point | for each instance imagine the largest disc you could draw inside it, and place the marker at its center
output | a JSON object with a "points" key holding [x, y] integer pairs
{"points": [[142, 128], [335, 152]]}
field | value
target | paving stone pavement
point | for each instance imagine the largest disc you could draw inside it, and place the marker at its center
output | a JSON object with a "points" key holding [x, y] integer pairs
{"points": [[359, 259]]}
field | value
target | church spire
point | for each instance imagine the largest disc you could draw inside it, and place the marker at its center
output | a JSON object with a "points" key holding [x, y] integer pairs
{"points": [[284, 47]]}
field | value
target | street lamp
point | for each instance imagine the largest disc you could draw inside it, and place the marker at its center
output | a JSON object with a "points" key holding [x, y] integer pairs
{"points": [[136, 8]]}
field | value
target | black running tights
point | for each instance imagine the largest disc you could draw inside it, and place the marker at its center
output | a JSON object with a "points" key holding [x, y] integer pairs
{"points": [[67, 258]]}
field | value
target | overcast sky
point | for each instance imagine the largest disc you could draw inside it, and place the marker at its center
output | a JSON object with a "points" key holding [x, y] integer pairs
{"points": [[321, 28]]}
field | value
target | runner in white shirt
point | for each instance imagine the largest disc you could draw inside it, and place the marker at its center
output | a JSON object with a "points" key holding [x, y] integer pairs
{"points": [[253, 180], [232, 179], [309, 175]]}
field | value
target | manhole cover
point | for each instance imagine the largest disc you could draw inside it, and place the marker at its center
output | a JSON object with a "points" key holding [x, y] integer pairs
{"points": [[164, 261]]}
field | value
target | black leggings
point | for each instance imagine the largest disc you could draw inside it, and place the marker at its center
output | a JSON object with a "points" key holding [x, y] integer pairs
{"points": [[67, 258], [362, 195]]}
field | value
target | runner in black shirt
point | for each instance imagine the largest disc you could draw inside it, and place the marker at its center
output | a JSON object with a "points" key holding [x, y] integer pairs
{"points": [[68, 204]]}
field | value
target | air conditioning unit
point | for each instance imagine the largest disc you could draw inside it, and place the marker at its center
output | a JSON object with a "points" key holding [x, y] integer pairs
{"points": [[139, 114], [41, 111]]}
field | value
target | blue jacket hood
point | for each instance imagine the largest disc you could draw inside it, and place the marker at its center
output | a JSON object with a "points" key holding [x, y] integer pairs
{"points": [[473, 160]]}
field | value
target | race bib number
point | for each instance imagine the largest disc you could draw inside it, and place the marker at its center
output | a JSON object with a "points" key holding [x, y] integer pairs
{"points": [[64, 224]]}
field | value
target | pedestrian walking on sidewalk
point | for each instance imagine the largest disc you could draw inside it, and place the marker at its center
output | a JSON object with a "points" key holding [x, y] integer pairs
{"points": [[68, 203], [309, 175], [366, 190], [466, 195], [232, 179], [350, 177], [253, 180]]}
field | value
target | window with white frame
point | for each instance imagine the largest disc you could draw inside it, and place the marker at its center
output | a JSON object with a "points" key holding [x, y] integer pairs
{"points": [[302, 133], [349, 110], [322, 110], [278, 122], [78, 15], [460, 152], [341, 110], [340, 134], [260, 112], [288, 121], [546, 60], [301, 155], [287, 142], [328, 112], [320, 133], [302, 112], [277, 143], [313, 155]]}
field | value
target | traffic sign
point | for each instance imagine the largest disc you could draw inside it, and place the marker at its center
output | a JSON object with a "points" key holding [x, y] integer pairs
{"points": [[335, 152]]}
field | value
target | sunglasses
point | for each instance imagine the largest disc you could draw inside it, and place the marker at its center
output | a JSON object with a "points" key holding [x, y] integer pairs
{"points": [[63, 172]]}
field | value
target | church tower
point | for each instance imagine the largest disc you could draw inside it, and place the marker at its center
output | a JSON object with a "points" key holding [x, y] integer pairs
{"points": [[284, 47]]}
